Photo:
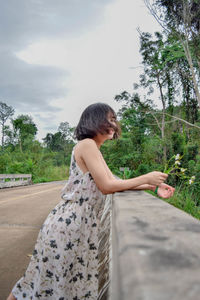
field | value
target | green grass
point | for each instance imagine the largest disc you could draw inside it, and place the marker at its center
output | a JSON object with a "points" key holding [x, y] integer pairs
{"points": [[51, 174], [184, 200]]}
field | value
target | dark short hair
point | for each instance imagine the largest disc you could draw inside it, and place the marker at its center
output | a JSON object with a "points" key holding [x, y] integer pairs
{"points": [[94, 120]]}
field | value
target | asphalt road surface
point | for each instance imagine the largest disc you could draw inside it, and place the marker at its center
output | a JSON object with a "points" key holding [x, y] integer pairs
{"points": [[22, 212]]}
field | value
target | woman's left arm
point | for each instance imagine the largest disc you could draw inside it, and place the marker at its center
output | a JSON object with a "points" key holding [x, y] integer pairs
{"points": [[145, 187], [164, 190]]}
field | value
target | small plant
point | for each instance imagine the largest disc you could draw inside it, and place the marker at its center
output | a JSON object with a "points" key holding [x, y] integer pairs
{"points": [[175, 166], [125, 173], [176, 169]]}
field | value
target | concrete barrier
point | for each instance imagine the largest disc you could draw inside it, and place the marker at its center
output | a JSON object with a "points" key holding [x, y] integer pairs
{"points": [[155, 250], [11, 180]]}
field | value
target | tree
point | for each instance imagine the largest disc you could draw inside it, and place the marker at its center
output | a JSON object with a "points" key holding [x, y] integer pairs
{"points": [[156, 72], [66, 130], [178, 70], [24, 130], [5, 113], [180, 19], [48, 140], [61, 141], [55, 142], [134, 119], [9, 137], [133, 115]]}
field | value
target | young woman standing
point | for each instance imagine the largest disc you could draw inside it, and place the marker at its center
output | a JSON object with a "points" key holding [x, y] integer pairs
{"points": [[64, 264]]}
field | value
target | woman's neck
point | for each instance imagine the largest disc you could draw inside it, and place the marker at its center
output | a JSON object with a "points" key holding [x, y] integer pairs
{"points": [[99, 140]]}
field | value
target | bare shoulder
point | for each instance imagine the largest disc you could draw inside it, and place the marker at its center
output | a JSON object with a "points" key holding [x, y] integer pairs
{"points": [[86, 145]]}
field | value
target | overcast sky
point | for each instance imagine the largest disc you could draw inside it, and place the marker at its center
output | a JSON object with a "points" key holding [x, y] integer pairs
{"points": [[57, 57]]}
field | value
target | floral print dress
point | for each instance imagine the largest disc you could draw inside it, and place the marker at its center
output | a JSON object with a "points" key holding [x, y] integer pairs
{"points": [[64, 264]]}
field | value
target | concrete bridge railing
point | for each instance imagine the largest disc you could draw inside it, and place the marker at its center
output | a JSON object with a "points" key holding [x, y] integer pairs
{"points": [[155, 250], [11, 180]]}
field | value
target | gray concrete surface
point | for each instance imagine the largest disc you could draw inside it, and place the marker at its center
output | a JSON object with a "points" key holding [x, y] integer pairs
{"points": [[22, 212], [155, 250]]}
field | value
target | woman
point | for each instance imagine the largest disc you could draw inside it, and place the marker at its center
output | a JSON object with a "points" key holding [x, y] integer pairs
{"points": [[64, 263]]}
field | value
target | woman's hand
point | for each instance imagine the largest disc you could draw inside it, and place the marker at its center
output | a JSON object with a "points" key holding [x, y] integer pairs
{"points": [[165, 191], [156, 178]]}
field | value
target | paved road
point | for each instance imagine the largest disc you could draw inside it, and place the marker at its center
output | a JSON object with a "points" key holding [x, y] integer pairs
{"points": [[22, 212]]}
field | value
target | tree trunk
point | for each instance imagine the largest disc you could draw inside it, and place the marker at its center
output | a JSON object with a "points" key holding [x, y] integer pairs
{"points": [[2, 139], [189, 59], [186, 14], [187, 18], [163, 120], [20, 145], [198, 61]]}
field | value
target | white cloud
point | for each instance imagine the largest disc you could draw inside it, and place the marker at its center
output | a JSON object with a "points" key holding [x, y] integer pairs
{"points": [[99, 63]]}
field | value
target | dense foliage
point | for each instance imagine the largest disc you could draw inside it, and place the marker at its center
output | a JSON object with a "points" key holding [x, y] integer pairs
{"points": [[46, 161], [140, 148]]}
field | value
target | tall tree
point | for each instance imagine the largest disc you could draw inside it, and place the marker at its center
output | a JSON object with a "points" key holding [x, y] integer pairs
{"points": [[55, 142], [177, 71], [156, 72], [48, 140], [66, 130], [5, 113], [134, 117], [180, 18], [25, 130]]}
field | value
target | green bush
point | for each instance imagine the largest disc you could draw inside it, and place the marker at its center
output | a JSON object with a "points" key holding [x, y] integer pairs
{"points": [[52, 173]]}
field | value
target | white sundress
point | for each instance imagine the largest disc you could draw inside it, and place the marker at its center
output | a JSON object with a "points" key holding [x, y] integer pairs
{"points": [[64, 264]]}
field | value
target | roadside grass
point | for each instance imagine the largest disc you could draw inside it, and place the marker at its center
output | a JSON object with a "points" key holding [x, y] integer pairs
{"points": [[184, 200], [51, 174]]}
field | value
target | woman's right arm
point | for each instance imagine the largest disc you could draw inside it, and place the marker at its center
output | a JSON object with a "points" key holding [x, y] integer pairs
{"points": [[94, 161]]}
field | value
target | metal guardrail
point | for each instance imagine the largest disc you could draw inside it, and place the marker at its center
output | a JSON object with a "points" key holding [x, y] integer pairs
{"points": [[11, 180]]}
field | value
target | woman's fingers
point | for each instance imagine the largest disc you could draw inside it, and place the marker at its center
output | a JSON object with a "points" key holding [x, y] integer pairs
{"points": [[158, 177], [165, 191], [168, 186], [162, 177], [165, 194]]}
